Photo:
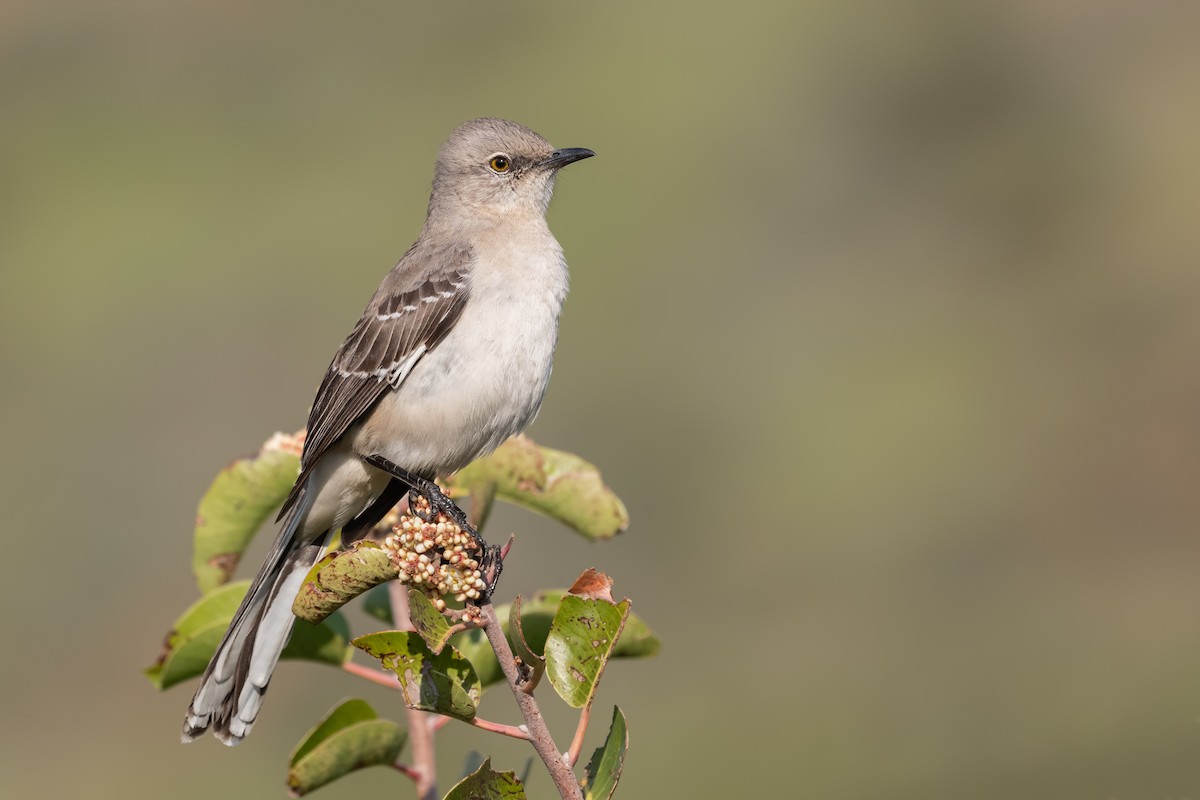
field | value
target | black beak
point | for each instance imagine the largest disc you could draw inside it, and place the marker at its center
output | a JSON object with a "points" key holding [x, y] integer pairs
{"points": [[569, 155]]}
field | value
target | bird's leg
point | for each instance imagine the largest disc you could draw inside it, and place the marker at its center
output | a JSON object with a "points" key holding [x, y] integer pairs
{"points": [[490, 561], [438, 501]]}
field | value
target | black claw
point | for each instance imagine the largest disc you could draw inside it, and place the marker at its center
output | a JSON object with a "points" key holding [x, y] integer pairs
{"points": [[426, 515], [492, 565]]}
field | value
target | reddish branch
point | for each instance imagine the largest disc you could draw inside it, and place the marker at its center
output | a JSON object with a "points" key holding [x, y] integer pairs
{"points": [[580, 731], [514, 731], [385, 679]]}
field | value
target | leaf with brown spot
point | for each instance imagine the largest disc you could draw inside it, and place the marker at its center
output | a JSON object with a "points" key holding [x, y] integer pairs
{"points": [[240, 499], [351, 736], [194, 637], [581, 640], [444, 683], [339, 577], [430, 623], [559, 485], [487, 784]]}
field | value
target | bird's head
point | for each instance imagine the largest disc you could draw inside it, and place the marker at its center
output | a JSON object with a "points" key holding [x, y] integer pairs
{"points": [[493, 167]]}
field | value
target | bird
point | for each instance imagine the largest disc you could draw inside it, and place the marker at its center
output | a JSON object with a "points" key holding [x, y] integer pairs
{"points": [[450, 358]]}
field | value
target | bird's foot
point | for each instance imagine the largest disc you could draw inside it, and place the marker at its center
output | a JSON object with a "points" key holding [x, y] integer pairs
{"points": [[491, 561]]}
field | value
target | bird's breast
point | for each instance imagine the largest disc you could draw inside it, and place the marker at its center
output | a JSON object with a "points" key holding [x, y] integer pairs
{"points": [[484, 382]]}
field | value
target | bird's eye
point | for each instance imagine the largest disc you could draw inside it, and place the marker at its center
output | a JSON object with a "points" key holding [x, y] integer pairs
{"points": [[499, 164]]}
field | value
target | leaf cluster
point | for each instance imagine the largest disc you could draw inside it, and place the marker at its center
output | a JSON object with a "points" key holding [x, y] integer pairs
{"points": [[567, 635]]}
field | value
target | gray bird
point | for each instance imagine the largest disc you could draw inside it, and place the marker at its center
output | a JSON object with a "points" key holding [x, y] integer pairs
{"points": [[450, 358]]}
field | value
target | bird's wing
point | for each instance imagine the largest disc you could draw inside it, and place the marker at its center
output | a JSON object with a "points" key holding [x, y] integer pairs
{"points": [[414, 308]]}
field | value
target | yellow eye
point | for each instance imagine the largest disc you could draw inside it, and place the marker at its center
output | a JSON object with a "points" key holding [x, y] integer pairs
{"points": [[499, 163]]}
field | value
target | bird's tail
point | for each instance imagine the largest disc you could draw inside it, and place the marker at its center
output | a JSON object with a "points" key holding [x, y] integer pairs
{"points": [[233, 686]]}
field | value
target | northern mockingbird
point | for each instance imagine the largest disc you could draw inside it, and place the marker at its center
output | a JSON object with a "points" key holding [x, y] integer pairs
{"points": [[450, 358]]}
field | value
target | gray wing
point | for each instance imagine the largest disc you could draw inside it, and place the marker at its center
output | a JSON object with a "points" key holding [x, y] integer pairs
{"points": [[414, 308]]}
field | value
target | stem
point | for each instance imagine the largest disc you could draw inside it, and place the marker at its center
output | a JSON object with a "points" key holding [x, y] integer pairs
{"points": [[515, 731], [580, 731], [539, 734], [419, 732], [406, 770], [373, 675]]}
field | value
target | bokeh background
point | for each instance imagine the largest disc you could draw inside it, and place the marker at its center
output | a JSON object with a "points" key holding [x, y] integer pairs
{"points": [[884, 323]]}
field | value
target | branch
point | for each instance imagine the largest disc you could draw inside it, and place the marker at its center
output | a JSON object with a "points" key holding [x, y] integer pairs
{"points": [[406, 770], [515, 731], [539, 734], [580, 730], [419, 731], [385, 679]]}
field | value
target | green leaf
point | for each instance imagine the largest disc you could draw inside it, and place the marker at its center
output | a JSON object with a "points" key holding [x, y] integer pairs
{"points": [[350, 737], [444, 683], [581, 640], [340, 577], [215, 607], [346, 713], [195, 635], [237, 503], [637, 640], [475, 647], [604, 768], [430, 623], [328, 642], [531, 665], [471, 762], [187, 659], [559, 485], [487, 784], [537, 614], [378, 604]]}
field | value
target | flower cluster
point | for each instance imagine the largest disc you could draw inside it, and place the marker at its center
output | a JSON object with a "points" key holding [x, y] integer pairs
{"points": [[436, 556]]}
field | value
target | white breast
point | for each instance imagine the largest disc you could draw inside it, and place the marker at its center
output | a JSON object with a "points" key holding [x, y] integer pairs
{"points": [[484, 382]]}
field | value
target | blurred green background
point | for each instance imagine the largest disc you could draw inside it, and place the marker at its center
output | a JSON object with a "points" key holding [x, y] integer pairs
{"points": [[885, 323]]}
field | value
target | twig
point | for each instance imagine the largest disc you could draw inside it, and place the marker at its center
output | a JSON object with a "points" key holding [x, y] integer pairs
{"points": [[373, 675], [404, 769], [437, 722], [580, 730], [539, 734], [515, 731], [419, 732]]}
